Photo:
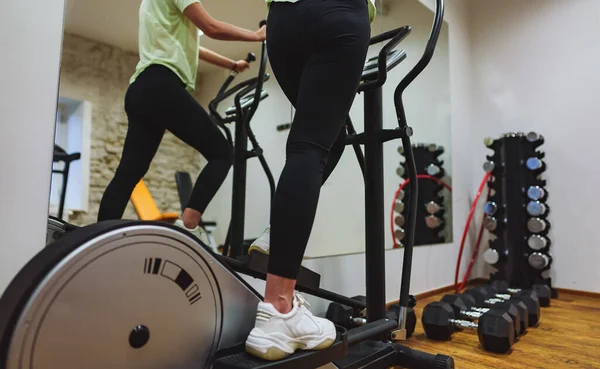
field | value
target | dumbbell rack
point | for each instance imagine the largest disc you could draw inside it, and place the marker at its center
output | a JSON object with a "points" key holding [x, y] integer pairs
{"points": [[516, 211], [430, 212]]}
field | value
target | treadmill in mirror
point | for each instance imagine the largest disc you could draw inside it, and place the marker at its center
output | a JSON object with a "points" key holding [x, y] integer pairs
{"points": [[536, 225], [537, 242]]}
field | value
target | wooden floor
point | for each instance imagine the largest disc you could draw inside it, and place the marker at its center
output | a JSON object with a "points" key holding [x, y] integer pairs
{"points": [[568, 336]]}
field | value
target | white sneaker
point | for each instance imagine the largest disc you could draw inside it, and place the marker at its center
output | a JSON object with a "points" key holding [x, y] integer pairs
{"points": [[198, 232], [276, 336], [261, 244]]}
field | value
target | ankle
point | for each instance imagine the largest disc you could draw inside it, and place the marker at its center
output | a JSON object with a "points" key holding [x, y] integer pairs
{"points": [[281, 304], [189, 224]]}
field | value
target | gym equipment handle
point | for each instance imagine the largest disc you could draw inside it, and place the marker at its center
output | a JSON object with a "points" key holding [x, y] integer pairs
{"points": [[396, 37], [412, 170]]}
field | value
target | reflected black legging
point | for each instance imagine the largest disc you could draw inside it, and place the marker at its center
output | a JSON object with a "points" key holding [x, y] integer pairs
{"points": [[317, 49], [158, 101]]}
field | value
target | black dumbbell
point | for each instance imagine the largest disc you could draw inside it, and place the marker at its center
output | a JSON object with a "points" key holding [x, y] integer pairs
{"points": [[495, 328], [464, 307], [486, 295], [544, 293]]}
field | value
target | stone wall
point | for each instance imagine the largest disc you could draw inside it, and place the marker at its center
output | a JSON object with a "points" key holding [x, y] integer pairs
{"points": [[100, 73]]}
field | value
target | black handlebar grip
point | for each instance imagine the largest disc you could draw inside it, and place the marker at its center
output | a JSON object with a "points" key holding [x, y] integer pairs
{"points": [[262, 23], [251, 57]]}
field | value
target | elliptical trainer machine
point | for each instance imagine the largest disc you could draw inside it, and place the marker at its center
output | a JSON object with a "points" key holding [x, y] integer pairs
{"points": [[131, 294], [248, 95]]}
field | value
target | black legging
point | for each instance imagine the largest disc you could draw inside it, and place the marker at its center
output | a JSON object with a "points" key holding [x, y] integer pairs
{"points": [[317, 49], [155, 102]]}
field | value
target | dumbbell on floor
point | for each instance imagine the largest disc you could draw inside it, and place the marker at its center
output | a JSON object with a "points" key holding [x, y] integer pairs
{"points": [[464, 306], [543, 292], [484, 295], [495, 328]]}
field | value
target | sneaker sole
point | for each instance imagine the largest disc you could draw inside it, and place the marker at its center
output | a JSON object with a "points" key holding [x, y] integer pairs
{"points": [[253, 248]]}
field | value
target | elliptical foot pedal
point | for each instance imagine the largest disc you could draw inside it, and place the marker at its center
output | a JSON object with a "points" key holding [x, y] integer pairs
{"points": [[301, 359]]}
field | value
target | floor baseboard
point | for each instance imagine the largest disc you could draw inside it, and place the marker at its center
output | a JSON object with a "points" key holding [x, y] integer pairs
{"points": [[440, 290]]}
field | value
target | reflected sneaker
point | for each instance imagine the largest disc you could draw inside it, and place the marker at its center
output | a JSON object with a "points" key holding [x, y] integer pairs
{"points": [[261, 244], [276, 336], [198, 232]]}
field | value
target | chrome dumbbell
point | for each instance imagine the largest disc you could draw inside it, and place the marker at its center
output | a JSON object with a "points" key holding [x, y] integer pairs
{"points": [[535, 164], [489, 166], [400, 220], [539, 261], [490, 208], [490, 223], [536, 208], [399, 207], [432, 221], [433, 170], [433, 207], [537, 242], [536, 225], [536, 193], [491, 256]]}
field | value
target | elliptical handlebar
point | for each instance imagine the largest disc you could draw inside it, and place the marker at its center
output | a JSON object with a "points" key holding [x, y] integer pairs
{"points": [[256, 82], [262, 77], [412, 170], [396, 36]]}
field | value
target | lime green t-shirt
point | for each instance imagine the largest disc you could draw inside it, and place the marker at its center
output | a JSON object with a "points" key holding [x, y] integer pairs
{"points": [[371, 4], [169, 38]]}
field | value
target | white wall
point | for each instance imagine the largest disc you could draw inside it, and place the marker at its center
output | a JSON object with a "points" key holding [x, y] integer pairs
{"points": [[29, 76], [535, 67]]}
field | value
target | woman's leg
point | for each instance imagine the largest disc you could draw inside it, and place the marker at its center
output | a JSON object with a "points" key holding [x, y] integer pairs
{"points": [[191, 124], [141, 143], [327, 88], [318, 48]]}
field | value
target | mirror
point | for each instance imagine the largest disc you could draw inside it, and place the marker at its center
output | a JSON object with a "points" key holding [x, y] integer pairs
{"points": [[99, 57], [427, 103]]}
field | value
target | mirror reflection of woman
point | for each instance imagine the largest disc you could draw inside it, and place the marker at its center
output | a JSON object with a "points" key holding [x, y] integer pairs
{"points": [[159, 99]]}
